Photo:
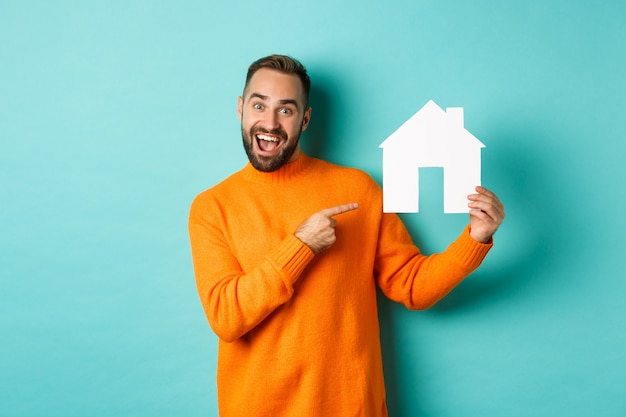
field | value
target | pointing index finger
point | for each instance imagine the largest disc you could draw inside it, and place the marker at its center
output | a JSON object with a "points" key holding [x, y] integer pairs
{"points": [[343, 208]]}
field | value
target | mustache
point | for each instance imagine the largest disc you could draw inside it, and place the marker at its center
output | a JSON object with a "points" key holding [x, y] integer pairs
{"points": [[274, 132]]}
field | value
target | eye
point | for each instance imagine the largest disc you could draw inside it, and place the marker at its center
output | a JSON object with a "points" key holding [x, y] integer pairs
{"points": [[257, 106], [285, 111]]}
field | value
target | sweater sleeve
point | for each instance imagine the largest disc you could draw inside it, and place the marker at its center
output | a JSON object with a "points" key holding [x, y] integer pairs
{"points": [[235, 301], [418, 281]]}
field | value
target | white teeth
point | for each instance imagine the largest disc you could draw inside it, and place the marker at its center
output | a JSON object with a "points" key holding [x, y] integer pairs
{"points": [[267, 138]]}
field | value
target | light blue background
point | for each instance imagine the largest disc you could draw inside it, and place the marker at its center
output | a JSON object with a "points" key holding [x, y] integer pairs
{"points": [[114, 115]]}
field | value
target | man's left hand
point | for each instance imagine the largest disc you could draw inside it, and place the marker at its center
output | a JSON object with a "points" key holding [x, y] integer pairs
{"points": [[486, 214]]}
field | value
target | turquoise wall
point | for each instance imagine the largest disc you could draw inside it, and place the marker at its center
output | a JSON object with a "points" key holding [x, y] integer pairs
{"points": [[114, 115]]}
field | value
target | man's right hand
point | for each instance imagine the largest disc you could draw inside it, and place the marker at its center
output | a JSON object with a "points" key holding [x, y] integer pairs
{"points": [[318, 231]]}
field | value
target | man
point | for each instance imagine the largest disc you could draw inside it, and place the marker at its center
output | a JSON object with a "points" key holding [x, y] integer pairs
{"points": [[287, 254]]}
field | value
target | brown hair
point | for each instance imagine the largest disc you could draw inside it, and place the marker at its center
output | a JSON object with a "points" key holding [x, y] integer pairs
{"points": [[284, 64]]}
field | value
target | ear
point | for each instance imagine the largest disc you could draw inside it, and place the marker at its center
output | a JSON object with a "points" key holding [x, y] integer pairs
{"points": [[306, 119], [240, 107]]}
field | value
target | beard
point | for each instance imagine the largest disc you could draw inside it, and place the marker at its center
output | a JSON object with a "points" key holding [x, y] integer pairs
{"points": [[269, 163]]}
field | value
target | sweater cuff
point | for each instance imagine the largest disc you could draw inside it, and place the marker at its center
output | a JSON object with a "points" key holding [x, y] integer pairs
{"points": [[468, 251], [291, 257]]}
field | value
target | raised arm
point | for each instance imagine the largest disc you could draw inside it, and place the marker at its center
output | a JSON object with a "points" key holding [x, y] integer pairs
{"points": [[236, 301], [419, 281]]}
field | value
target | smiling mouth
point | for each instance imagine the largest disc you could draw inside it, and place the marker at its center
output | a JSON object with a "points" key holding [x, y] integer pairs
{"points": [[267, 143]]}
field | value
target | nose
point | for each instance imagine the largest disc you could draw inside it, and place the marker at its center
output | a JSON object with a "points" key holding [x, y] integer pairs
{"points": [[271, 121]]}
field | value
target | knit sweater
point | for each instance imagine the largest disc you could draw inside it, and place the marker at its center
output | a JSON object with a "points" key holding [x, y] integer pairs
{"points": [[298, 332]]}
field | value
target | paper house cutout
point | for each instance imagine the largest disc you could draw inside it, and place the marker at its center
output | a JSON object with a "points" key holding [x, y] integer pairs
{"points": [[432, 137]]}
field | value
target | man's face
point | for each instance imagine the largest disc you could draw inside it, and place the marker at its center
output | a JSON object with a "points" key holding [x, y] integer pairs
{"points": [[273, 115]]}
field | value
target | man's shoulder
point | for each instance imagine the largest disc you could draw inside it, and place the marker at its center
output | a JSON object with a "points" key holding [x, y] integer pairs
{"points": [[214, 192], [342, 172], [335, 168]]}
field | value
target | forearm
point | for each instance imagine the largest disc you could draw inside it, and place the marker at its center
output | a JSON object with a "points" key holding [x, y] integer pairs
{"points": [[419, 281], [236, 301]]}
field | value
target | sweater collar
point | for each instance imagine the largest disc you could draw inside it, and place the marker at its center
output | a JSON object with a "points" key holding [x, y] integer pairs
{"points": [[284, 173]]}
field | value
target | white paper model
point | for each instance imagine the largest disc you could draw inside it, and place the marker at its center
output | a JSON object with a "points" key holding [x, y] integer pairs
{"points": [[432, 137]]}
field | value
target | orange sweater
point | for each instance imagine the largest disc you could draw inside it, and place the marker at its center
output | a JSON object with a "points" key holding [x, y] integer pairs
{"points": [[299, 332]]}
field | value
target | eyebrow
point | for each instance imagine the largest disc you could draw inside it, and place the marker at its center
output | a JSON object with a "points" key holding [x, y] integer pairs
{"points": [[284, 101]]}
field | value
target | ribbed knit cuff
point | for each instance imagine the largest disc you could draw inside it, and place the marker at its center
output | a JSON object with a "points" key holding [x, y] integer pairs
{"points": [[291, 257], [468, 251]]}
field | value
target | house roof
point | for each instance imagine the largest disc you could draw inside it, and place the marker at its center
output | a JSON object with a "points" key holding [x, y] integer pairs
{"points": [[432, 125]]}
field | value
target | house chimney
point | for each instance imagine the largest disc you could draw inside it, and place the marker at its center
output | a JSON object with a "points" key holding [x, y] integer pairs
{"points": [[455, 116]]}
